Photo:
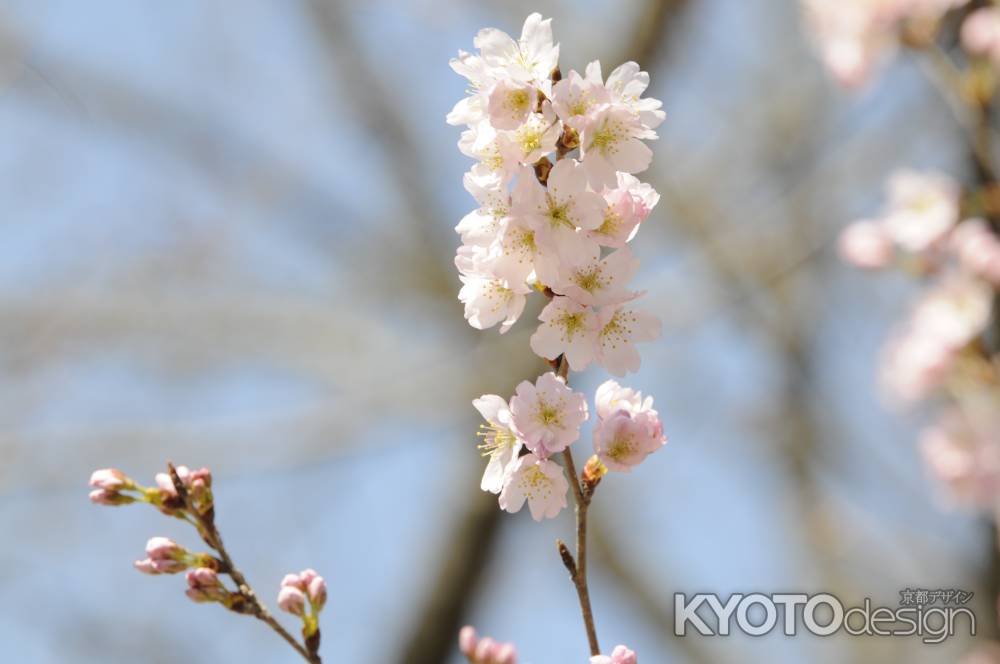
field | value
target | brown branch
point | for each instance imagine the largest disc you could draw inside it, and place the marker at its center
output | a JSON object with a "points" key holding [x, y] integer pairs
{"points": [[577, 567]]}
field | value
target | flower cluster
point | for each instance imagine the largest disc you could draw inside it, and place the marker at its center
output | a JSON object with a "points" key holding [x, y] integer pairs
{"points": [[856, 36], [485, 650], [543, 419], [298, 590], [561, 228], [926, 228], [186, 494], [559, 204]]}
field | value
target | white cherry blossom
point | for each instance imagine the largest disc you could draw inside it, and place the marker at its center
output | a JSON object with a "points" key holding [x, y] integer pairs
{"points": [[540, 482], [500, 443], [619, 328], [568, 328]]}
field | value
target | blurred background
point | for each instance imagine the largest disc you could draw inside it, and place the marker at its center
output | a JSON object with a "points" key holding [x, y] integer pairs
{"points": [[227, 241]]}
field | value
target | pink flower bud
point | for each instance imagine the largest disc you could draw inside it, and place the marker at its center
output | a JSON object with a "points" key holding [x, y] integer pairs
{"points": [[204, 586], [292, 581], [110, 479], [164, 548], [317, 593], [292, 600], [166, 484], [484, 650], [865, 244], [108, 497], [506, 653], [306, 576], [467, 640], [145, 566]]}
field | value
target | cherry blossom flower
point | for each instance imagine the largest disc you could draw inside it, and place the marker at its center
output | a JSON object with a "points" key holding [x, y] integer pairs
{"points": [[913, 365], [594, 281], [977, 249], [500, 442], [963, 453], [547, 414], [483, 143], [625, 207], [625, 85], [534, 138], [628, 428], [866, 244], [611, 143], [853, 36], [611, 397], [489, 301], [923, 207], [620, 655], [530, 59], [510, 103], [539, 481], [619, 328], [482, 226], [519, 254], [558, 211], [955, 312], [980, 33], [569, 328], [575, 96]]}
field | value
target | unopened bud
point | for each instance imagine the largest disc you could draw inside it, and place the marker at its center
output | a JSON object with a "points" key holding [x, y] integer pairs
{"points": [[467, 640], [204, 586], [107, 497], [111, 479], [593, 471], [317, 593], [292, 600]]}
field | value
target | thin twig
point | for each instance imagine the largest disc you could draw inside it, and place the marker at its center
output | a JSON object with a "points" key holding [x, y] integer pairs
{"points": [[210, 534], [578, 567]]}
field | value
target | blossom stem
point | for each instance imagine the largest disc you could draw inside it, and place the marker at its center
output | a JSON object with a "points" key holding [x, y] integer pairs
{"points": [[210, 534], [578, 567]]}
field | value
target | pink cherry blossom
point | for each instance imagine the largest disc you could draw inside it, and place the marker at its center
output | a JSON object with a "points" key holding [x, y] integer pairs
{"points": [[628, 428], [626, 206], [595, 281], [489, 301], [922, 208], [620, 655], [980, 33], [539, 481], [955, 311], [567, 328], [534, 138], [611, 143], [558, 211], [611, 397], [619, 329], [962, 451], [978, 250], [500, 442], [626, 85], [575, 97], [547, 414], [866, 244], [510, 103]]}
